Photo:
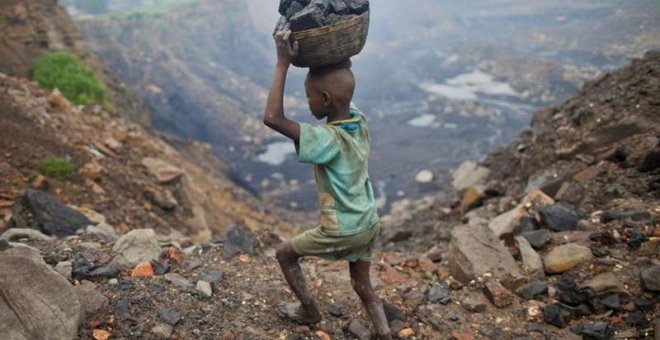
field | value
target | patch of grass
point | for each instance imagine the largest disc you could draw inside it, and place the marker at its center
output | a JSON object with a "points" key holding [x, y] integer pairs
{"points": [[76, 81], [57, 168]]}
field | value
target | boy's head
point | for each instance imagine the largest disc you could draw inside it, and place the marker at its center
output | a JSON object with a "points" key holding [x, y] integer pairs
{"points": [[329, 89]]}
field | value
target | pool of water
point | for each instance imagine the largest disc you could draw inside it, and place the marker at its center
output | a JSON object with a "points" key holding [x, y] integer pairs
{"points": [[469, 86], [277, 153]]}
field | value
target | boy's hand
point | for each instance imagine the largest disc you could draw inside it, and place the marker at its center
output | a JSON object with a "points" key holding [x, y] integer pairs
{"points": [[286, 52]]}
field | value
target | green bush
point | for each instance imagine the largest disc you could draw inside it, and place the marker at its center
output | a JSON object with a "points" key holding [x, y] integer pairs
{"points": [[57, 168], [66, 72]]}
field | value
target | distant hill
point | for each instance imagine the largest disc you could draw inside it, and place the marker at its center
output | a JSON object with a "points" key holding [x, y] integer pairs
{"points": [[33, 28], [199, 68]]}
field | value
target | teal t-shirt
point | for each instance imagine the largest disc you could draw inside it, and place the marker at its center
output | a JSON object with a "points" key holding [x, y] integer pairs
{"points": [[340, 154]]}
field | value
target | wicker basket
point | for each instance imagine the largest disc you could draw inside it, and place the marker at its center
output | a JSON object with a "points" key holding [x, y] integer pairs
{"points": [[331, 44]]}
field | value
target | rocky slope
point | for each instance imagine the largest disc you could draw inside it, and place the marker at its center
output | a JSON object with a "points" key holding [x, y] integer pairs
{"points": [[566, 217], [32, 28], [122, 171], [570, 254]]}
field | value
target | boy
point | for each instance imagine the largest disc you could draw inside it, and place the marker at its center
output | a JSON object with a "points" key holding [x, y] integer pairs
{"points": [[339, 151]]}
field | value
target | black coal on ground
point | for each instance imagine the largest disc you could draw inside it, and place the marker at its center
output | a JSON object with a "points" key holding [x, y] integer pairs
{"points": [[300, 15]]}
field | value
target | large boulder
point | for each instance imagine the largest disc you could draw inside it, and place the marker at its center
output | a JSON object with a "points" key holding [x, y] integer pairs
{"points": [[35, 301], [137, 246], [475, 250], [39, 210]]}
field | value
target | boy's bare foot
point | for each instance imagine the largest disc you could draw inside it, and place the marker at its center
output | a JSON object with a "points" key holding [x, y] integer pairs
{"points": [[296, 313]]}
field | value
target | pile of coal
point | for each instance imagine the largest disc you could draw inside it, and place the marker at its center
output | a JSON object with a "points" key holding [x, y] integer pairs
{"points": [[299, 15]]}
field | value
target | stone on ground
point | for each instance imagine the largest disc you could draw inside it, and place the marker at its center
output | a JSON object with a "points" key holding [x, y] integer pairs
{"points": [[424, 176], [30, 234], [240, 240], [475, 250], [467, 174], [47, 213], [205, 288], [566, 257], [499, 296], [439, 293], [532, 263], [162, 330], [533, 289], [144, 269], [162, 170], [537, 238], [161, 197], [606, 284], [357, 328], [472, 197], [475, 304], [90, 298], [558, 315], [65, 268], [103, 232], [508, 224], [137, 246], [170, 316], [36, 302], [651, 278], [559, 217], [177, 280]]}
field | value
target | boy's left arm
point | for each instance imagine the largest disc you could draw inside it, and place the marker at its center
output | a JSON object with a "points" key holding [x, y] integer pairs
{"points": [[274, 112]]}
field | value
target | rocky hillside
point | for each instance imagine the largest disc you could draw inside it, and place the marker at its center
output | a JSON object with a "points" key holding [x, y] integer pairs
{"points": [[511, 254], [198, 67], [562, 227], [35, 27], [116, 169]]}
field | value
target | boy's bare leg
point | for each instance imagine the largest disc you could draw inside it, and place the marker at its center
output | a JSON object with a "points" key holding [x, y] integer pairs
{"points": [[294, 276], [362, 286]]}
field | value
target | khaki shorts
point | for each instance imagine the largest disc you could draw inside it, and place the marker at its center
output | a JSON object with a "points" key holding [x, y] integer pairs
{"points": [[358, 247]]}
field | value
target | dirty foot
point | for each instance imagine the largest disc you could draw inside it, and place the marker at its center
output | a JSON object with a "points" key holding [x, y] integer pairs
{"points": [[296, 313]]}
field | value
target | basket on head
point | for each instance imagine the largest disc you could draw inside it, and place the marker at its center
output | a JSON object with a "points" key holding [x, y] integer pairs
{"points": [[331, 44]]}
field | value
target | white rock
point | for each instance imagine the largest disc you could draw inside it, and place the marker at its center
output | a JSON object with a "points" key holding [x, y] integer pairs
{"points": [[205, 288], [474, 250], [137, 246], [468, 174], [103, 231], [424, 176], [532, 263]]}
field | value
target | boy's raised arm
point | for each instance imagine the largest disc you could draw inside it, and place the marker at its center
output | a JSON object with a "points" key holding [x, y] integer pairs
{"points": [[274, 111]]}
